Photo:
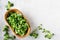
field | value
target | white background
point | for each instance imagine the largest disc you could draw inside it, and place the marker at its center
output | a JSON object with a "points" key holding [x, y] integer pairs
{"points": [[46, 12]]}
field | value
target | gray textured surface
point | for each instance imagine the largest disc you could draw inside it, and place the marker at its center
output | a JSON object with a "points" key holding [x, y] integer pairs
{"points": [[46, 12]]}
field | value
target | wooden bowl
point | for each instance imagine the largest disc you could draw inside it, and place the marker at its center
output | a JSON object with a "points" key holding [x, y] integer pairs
{"points": [[17, 11]]}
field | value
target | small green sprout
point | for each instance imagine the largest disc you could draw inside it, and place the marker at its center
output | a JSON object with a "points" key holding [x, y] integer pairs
{"points": [[35, 35], [9, 5], [6, 36], [12, 37], [49, 35], [5, 28], [45, 31]]}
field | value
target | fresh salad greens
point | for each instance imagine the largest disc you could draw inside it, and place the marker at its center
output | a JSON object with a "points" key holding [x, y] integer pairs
{"points": [[18, 23], [9, 5], [6, 35], [47, 33]]}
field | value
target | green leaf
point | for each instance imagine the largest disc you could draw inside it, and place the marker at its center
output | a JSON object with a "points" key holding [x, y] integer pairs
{"points": [[35, 35], [45, 31], [5, 28], [49, 35], [9, 5]]}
